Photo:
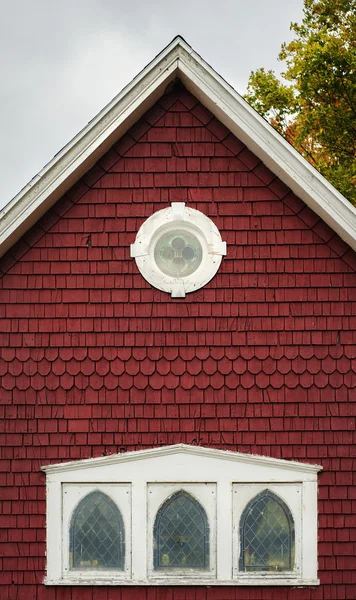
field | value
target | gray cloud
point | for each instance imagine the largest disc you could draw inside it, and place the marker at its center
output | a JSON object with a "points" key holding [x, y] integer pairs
{"points": [[61, 62]]}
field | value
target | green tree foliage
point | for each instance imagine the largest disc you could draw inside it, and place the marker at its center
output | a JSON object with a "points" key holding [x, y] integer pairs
{"points": [[314, 105]]}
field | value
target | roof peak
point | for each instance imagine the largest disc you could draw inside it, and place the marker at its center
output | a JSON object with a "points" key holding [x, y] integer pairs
{"points": [[177, 60]]}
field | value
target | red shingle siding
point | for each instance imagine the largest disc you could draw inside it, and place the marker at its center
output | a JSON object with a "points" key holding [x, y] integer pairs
{"points": [[94, 360]]}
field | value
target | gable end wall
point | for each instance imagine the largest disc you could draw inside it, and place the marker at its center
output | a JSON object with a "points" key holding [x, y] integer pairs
{"points": [[95, 361]]}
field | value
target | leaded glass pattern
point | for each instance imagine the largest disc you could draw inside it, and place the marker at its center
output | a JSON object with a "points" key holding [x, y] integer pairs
{"points": [[97, 535], [178, 253], [181, 534], [267, 535]]}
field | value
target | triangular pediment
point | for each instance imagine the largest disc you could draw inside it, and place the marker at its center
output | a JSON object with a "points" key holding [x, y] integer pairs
{"points": [[182, 456], [177, 60], [221, 483]]}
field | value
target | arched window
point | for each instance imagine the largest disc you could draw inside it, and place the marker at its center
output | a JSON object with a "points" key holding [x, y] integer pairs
{"points": [[97, 535], [181, 534], [267, 535]]}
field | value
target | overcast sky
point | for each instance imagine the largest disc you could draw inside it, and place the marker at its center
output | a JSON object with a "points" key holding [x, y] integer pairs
{"points": [[63, 61]]}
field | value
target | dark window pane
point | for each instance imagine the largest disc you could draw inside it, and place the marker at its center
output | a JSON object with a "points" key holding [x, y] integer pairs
{"points": [[267, 535], [181, 534], [97, 536]]}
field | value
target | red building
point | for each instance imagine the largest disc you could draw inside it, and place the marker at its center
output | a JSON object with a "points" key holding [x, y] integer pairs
{"points": [[178, 281]]}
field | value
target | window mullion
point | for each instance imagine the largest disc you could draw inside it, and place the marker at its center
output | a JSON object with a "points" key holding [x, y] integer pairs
{"points": [[224, 531], [139, 530]]}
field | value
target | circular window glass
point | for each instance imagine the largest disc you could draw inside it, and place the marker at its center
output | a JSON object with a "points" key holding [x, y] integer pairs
{"points": [[178, 249], [178, 253]]}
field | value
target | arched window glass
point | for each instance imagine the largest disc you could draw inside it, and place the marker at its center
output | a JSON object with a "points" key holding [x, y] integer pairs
{"points": [[181, 534], [267, 535], [97, 536]]}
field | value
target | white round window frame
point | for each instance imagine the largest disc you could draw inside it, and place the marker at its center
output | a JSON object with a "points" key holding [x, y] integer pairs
{"points": [[178, 216]]}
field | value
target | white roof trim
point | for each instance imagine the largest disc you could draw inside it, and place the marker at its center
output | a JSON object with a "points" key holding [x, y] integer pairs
{"points": [[178, 59], [181, 449]]}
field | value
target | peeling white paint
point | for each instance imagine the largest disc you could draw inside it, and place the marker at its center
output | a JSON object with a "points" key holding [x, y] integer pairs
{"points": [[214, 477]]}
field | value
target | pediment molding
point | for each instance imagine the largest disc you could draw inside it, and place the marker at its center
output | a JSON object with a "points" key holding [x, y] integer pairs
{"points": [[181, 450]]}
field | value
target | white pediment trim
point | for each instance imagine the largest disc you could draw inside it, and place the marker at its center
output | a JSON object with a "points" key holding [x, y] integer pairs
{"points": [[181, 449], [178, 59], [223, 482]]}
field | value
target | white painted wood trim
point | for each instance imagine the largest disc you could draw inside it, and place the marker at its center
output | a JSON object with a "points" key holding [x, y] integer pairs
{"points": [[54, 534], [120, 494], [85, 149], [264, 141], [177, 59], [139, 536], [178, 216], [309, 529], [200, 471], [182, 449], [291, 494], [188, 582], [224, 546]]}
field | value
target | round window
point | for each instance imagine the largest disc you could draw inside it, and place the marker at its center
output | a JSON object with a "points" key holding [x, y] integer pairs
{"points": [[178, 253], [178, 249]]}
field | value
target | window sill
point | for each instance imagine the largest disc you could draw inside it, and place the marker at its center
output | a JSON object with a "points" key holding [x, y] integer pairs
{"points": [[241, 581]]}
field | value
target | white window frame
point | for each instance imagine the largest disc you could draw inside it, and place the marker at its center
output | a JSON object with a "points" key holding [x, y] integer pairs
{"points": [[223, 482], [72, 495], [178, 216], [291, 494], [205, 494]]}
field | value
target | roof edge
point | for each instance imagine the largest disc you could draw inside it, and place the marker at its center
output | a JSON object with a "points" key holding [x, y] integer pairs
{"points": [[87, 147], [178, 58], [266, 143]]}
